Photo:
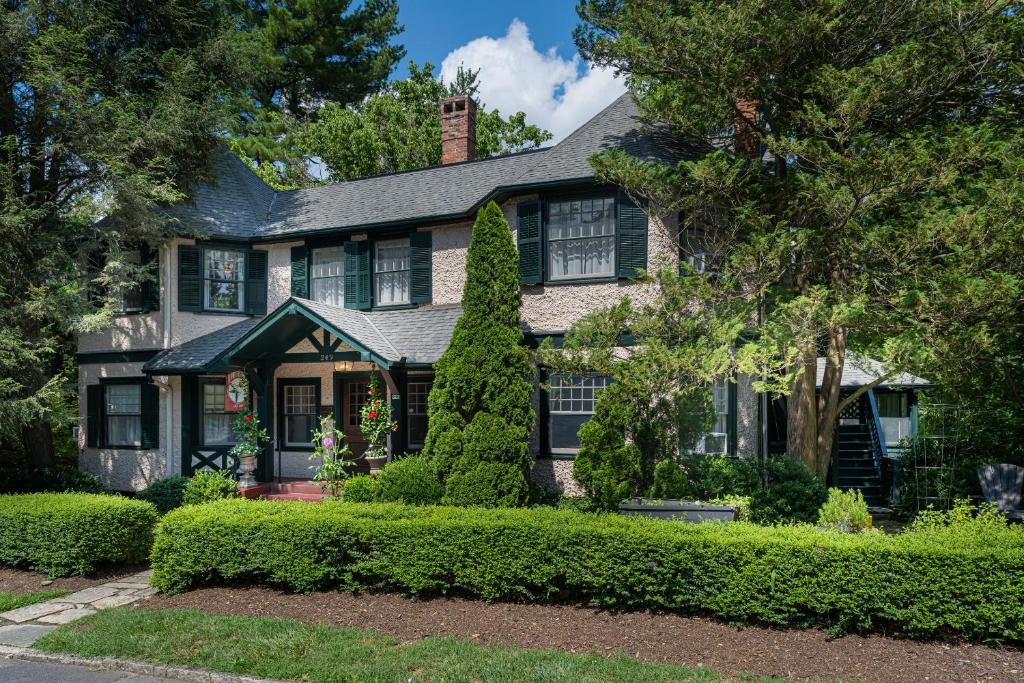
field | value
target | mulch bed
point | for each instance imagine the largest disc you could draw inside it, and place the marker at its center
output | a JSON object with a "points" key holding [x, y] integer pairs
{"points": [[796, 654], [22, 581]]}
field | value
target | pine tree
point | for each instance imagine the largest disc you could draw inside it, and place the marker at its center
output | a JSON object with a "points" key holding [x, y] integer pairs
{"points": [[479, 406]]}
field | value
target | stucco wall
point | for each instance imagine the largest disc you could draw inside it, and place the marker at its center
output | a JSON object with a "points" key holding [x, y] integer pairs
{"points": [[121, 469]]}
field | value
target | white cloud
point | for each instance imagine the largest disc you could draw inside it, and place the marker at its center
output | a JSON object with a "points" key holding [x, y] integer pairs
{"points": [[515, 76]]}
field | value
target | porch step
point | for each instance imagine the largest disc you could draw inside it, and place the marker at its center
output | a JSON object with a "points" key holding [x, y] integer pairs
{"points": [[308, 497]]}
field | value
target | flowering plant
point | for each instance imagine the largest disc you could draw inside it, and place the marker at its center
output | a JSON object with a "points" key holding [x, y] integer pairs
{"points": [[251, 435], [333, 454], [375, 420]]}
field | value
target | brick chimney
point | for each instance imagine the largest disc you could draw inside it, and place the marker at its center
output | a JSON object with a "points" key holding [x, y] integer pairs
{"points": [[745, 141], [458, 129]]}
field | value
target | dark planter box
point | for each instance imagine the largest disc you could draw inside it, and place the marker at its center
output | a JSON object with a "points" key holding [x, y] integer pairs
{"points": [[681, 510]]}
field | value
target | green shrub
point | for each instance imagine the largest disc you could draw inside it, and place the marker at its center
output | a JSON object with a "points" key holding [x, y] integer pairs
{"points": [[165, 494], [206, 487], [669, 481], [714, 476], [790, 493], [16, 478], [489, 485], [606, 467], [411, 480], [70, 533], [362, 488], [845, 511], [938, 581], [976, 520]]}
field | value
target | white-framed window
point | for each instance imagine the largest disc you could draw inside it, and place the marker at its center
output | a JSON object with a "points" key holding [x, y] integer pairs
{"points": [[218, 427], [326, 277], [571, 402], [224, 280], [300, 414], [581, 238], [391, 272], [716, 442], [124, 414], [416, 393]]}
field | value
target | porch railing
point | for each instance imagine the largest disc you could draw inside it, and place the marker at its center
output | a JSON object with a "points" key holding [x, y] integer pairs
{"points": [[874, 422]]}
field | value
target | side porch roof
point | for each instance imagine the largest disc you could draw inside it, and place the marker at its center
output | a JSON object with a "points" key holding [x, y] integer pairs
{"points": [[415, 336]]}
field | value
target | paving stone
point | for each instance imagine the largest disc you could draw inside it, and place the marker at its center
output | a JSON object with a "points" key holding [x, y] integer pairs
{"points": [[67, 615], [115, 601], [90, 594], [130, 585], [32, 612], [146, 592], [23, 635]]}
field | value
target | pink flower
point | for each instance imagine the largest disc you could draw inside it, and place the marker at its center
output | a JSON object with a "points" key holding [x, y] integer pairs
{"points": [[328, 442]]}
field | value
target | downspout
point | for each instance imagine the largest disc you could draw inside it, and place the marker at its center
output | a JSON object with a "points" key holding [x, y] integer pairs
{"points": [[169, 403]]}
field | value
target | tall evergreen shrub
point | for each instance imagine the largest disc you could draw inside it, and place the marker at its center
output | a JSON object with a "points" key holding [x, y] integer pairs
{"points": [[479, 407]]}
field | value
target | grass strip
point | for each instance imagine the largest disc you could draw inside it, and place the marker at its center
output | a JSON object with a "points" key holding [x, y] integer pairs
{"points": [[10, 601], [292, 650]]}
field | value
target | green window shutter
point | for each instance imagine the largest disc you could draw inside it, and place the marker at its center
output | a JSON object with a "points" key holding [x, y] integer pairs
{"points": [[300, 272], [631, 236], [94, 415], [150, 416], [528, 235], [151, 288], [420, 244], [357, 275], [256, 282], [190, 278]]}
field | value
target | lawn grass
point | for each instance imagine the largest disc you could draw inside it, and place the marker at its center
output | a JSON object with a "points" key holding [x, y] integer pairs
{"points": [[284, 649], [16, 600]]}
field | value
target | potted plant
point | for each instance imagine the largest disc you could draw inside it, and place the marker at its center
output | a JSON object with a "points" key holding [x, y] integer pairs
{"points": [[251, 437], [375, 423], [332, 454]]}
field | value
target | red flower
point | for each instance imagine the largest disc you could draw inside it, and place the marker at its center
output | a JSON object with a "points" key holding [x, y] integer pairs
{"points": [[373, 414], [248, 418], [371, 392], [394, 426]]}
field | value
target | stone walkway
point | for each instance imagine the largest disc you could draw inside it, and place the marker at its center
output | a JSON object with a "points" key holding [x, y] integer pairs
{"points": [[23, 626]]}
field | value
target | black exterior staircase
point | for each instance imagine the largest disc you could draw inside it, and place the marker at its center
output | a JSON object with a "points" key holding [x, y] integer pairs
{"points": [[856, 464]]}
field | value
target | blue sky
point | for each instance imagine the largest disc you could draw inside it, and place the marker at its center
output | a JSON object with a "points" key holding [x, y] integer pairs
{"points": [[525, 53]]}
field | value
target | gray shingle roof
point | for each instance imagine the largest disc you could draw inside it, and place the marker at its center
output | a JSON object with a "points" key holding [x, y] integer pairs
{"points": [[241, 205], [417, 335], [197, 353], [860, 371]]}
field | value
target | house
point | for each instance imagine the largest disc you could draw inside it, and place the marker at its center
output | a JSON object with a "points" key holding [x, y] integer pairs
{"points": [[308, 291]]}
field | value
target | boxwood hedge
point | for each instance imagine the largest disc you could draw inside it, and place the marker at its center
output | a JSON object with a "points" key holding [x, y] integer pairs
{"points": [[920, 584], [70, 533]]}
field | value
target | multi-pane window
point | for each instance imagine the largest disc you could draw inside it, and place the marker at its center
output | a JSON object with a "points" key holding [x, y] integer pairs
{"points": [[326, 277], [570, 404], [391, 272], [124, 414], [300, 414], [218, 425], [703, 252], [356, 400], [416, 394], [581, 238], [223, 280], [717, 440]]}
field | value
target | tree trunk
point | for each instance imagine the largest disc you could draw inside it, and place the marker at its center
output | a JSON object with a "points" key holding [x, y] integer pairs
{"points": [[37, 443], [828, 399], [801, 418]]}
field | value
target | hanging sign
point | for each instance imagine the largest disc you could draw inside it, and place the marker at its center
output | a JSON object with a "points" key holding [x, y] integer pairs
{"points": [[234, 392]]}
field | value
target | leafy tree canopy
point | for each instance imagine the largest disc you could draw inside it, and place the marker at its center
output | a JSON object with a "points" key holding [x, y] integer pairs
{"points": [[876, 204], [399, 128]]}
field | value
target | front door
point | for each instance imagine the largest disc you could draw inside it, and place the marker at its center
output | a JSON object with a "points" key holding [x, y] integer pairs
{"points": [[352, 395]]}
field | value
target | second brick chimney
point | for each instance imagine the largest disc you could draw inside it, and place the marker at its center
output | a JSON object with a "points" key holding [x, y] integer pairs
{"points": [[458, 129]]}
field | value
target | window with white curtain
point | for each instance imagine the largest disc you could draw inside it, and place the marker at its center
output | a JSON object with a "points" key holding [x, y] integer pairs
{"points": [[581, 238], [391, 272], [218, 425], [326, 277], [300, 414], [571, 403], [224, 280], [124, 414], [716, 442]]}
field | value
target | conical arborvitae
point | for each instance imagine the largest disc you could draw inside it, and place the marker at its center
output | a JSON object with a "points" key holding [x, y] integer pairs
{"points": [[479, 407]]}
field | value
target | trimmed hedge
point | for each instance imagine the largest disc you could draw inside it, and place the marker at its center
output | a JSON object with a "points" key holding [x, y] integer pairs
{"points": [[921, 583], [70, 533]]}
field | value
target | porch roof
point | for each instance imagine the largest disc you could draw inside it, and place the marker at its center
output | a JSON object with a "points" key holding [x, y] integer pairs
{"points": [[858, 371], [412, 336]]}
